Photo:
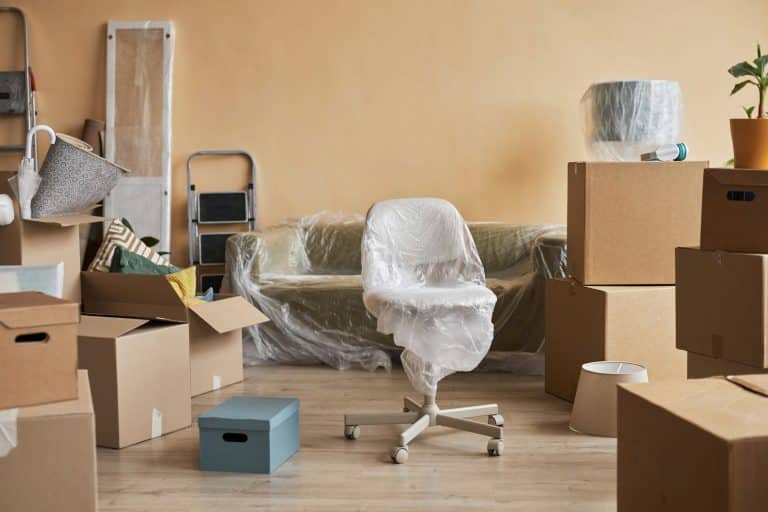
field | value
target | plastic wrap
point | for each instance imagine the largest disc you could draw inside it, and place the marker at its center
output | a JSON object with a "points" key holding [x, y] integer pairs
{"points": [[424, 282], [305, 275], [624, 119]]}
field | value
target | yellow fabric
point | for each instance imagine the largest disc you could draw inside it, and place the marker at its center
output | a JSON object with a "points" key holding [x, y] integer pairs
{"points": [[184, 283]]}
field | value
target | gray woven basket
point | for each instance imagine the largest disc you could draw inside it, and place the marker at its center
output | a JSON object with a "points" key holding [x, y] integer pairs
{"points": [[73, 178]]}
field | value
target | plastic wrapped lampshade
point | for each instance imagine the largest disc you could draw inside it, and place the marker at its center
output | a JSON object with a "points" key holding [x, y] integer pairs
{"points": [[626, 118]]}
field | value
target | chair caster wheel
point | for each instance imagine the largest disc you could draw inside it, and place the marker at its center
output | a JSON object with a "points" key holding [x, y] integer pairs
{"points": [[352, 432], [399, 454], [496, 419], [495, 447]]}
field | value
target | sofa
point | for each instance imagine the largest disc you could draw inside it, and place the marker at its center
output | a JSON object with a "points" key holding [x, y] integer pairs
{"points": [[305, 276]]}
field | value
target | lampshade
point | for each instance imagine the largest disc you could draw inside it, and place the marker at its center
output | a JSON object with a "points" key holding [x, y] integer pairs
{"points": [[594, 409]]}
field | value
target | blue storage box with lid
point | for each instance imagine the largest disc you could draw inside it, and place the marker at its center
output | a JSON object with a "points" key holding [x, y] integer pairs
{"points": [[249, 434]]}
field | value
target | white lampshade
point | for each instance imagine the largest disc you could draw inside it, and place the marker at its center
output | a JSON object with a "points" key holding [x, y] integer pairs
{"points": [[594, 409]]}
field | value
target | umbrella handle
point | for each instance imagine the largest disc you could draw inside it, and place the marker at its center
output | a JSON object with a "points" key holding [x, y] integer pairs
{"points": [[31, 134]]}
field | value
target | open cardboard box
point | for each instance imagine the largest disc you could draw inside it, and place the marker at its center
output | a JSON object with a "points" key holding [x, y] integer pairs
{"points": [[53, 466], [44, 241], [698, 445], [215, 328]]}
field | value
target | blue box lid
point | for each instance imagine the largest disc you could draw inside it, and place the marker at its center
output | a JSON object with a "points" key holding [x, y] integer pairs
{"points": [[249, 413]]}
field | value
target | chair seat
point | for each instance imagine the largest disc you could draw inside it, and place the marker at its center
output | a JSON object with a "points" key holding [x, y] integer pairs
{"points": [[432, 298]]}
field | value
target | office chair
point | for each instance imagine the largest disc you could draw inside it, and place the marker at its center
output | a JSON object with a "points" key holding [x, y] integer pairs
{"points": [[425, 284]]}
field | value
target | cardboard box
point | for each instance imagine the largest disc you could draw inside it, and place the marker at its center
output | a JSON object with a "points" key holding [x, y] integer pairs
{"points": [[608, 323], [721, 305], [215, 328], [53, 466], [696, 445], [626, 218], [44, 241], [38, 349], [735, 211], [700, 367], [139, 373]]}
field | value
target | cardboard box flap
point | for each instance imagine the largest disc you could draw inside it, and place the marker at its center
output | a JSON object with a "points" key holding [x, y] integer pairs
{"points": [[738, 179], [107, 326], [32, 309], [66, 221], [755, 383], [713, 404], [82, 405], [225, 315], [131, 295]]}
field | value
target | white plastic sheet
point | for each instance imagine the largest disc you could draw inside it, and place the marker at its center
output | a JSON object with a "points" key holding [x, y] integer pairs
{"points": [[305, 275], [626, 118], [424, 282]]}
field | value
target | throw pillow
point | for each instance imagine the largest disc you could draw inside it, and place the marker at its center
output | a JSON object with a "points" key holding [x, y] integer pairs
{"points": [[118, 234], [126, 262]]}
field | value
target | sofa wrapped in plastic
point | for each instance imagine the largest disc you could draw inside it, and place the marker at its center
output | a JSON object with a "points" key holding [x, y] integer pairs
{"points": [[305, 276]]}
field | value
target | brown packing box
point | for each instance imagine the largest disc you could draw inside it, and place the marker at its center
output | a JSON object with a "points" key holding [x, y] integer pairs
{"points": [[696, 445], [38, 349], [139, 373], [626, 218], [44, 241], [608, 323], [734, 213], [700, 366], [215, 328], [721, 305], [53, 467]]}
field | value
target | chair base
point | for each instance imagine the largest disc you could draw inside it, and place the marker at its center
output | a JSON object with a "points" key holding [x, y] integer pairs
{"points": [[422, 416]]}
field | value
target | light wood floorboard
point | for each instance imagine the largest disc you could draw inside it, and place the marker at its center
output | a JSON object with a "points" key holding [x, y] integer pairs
{"points": [[545, 467]]}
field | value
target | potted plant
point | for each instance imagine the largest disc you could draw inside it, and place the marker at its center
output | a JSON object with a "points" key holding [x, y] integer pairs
{"points": [[750, 135]]}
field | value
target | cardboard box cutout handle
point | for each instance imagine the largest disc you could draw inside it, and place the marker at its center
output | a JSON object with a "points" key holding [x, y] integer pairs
{"points": [[33, 337], [234, 437], [740, 195]]}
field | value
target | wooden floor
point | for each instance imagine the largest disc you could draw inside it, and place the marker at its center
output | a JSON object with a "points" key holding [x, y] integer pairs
{"points": [[544, 467]]}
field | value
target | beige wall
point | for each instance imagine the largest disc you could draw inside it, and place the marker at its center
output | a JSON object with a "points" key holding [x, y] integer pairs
{"points": [[344, 102]]}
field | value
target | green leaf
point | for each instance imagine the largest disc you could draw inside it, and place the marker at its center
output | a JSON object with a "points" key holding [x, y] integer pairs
{"points": [[759, 54], [760, 62], [748, 111], [729, 163], [739, 86], [150, 241], [743, 69], [127, 224]]}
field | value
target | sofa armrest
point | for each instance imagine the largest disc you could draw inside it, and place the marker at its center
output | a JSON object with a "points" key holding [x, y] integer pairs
{"points": [[550, 255], [257, 254]]}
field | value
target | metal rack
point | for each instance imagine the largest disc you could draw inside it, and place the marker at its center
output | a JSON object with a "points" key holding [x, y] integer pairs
{"points": [[17, 90], [207, 249]]}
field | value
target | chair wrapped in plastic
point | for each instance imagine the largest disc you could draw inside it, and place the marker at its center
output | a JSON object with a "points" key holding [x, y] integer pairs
{"points": [[425, 284]]}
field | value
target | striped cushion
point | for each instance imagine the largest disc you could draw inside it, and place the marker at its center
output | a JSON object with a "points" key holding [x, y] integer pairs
{"points": [[118, 234]]}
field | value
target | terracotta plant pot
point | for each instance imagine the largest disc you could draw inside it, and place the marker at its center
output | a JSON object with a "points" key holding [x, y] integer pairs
{"points": [[750, 143]]}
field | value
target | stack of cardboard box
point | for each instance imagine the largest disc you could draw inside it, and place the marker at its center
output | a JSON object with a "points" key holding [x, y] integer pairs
{"points": [[47, 437], [714, 429], [722, 286], [625, 220]]}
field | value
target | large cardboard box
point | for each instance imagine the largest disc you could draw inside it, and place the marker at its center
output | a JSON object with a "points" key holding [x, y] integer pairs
{"points": [[696, 445], [735, 211], [38, 349], [721, 305], [139, 373], [53, 466], [626, 218], [700, 366], [608, 323], [215, 328], [44, 241]]}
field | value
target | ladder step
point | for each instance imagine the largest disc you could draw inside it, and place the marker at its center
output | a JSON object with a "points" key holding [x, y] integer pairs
{"points": [[16, 148]]}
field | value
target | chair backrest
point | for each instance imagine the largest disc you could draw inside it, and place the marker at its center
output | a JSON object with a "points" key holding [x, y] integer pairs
{"points": [[417, 242]]}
